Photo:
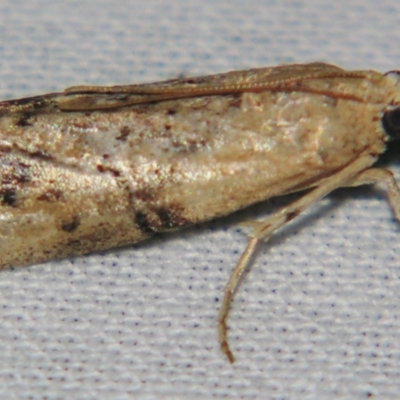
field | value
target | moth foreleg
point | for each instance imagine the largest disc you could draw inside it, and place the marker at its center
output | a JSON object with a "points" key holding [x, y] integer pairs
{"points": [[262, 230], [376, 175]]}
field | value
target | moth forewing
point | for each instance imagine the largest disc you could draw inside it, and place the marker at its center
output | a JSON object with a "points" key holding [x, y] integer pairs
{"points": [[97, 167]]}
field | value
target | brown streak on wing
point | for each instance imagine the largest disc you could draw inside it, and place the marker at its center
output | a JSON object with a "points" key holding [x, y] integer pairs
{"points": [[281, 78], [284, 78]]}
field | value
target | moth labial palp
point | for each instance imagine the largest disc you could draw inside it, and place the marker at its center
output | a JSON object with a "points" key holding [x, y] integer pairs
{"points": [[93, 168]]}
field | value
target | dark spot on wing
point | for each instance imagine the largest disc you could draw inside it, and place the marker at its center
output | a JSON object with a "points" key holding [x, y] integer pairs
{"points": [[24, 120], [51, 195], [124, 133], [292, 215], [143, 223], [154, 220], [8, 197], [72, 225], [171, 217], [160, 219], [14, 173], [41, 154], [105, 168]]}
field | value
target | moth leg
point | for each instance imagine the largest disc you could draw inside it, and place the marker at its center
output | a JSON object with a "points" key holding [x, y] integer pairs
{"points": [[375, 175], [348, 176]]}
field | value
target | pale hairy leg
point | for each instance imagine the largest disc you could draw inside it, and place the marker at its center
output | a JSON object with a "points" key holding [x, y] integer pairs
{"points": [[377, 175], [348, 176]]}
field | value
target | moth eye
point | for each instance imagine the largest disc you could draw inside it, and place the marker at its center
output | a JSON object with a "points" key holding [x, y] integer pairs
{"points": [[391, 123]]}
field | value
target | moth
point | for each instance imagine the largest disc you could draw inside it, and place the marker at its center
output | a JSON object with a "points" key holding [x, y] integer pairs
{"points": [[93, 168]]}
